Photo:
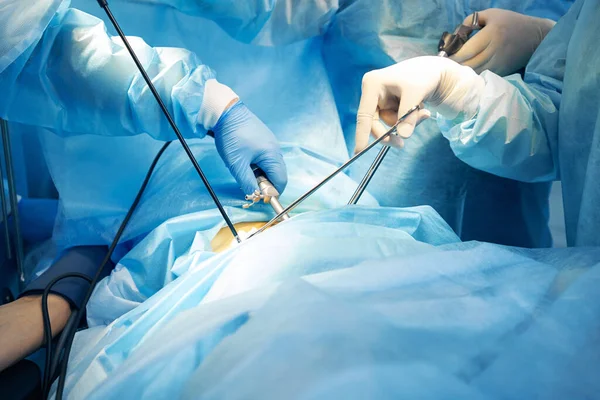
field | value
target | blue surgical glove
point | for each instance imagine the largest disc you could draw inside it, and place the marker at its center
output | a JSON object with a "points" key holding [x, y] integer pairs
{"points": [[243, 139]]}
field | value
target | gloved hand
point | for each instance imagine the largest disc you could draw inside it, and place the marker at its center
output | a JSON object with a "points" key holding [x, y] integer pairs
{"points": [[506, 42], [388, 93], [243, 139]]}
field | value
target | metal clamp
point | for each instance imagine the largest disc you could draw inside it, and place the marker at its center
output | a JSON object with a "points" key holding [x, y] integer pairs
{"points": [[452, 43], [267, 193]]}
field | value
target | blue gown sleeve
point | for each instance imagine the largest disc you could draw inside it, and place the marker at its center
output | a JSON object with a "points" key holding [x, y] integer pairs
{"points": [[515, 132], [78, 80]]}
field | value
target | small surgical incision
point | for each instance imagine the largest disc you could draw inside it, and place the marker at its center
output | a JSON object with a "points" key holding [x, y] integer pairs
{"points": [[224, 240]]}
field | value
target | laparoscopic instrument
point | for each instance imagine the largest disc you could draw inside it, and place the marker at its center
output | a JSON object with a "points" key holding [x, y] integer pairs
{"points": [[186, 148], [449, 44], [295, 203], [266, 192]]}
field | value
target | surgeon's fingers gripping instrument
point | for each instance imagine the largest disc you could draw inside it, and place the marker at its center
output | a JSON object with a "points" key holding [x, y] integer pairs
{"points": [[450, 43], [296, 202], [447, 46], [267, 193]]}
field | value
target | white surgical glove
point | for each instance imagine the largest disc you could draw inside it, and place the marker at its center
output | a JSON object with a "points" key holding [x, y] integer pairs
{"points": [[506, 42], [447, 87]]}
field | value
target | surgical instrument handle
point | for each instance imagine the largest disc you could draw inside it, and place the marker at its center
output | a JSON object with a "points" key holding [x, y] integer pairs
{"points": [[337, 171], [186, 148], [265, 186], [269, 191], [451, 43]]}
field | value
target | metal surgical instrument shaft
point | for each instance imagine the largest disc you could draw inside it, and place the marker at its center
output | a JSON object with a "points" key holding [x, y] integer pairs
{"points": [[267, 192], [370, 172], [264, 185], [334, 173], [186, 148]]}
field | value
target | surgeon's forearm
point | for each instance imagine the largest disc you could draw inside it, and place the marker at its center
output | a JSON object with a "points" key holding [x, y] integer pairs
{"points": [[513, 135], [22, 328], [80, 80]]}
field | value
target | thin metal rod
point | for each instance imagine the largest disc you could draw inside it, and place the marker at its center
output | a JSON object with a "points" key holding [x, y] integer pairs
{"points": [[369, 175], [278, 208], [189, 153], [334, 173], [14, 206], [4, 208]]}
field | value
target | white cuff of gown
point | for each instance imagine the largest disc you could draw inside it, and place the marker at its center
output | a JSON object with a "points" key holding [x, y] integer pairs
{"points": [[216, 98]]}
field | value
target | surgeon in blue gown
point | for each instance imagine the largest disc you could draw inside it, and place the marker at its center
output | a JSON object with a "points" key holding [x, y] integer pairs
{"points": [[60, 70], [539, 128], [325, 47], [478, 205]]}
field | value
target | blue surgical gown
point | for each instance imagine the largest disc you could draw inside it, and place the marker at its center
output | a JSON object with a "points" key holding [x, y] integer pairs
{"points": [[547, 125], [60, 70], [282, 46], [291, 76], [61, 74]]}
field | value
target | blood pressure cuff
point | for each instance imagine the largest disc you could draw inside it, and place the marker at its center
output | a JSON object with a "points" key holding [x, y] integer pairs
{"points": [[84, 260]]}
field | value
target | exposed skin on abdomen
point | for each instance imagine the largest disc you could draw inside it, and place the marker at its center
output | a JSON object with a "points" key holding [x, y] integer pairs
{"points": [[224, 240]]}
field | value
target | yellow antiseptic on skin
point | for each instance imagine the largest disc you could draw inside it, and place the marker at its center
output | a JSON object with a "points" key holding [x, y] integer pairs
{"points": [[224, 240]]}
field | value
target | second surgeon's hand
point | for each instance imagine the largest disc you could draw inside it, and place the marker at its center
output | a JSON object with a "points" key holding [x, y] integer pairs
{"points": [[388, 93], [243, 139], [505, 43]]}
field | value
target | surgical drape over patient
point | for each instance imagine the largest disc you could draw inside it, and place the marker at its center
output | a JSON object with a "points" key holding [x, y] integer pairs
{"points": [[357, 302]]}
